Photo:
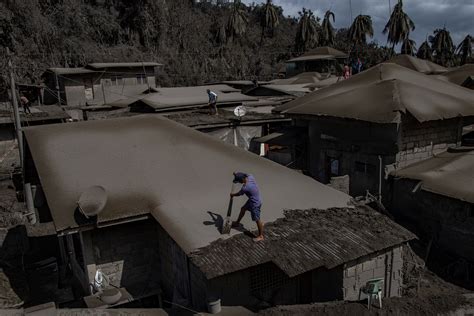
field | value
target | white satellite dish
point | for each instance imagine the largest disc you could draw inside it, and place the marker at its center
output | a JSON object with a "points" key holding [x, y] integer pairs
{"points": [[92, 201], [240, 111]]}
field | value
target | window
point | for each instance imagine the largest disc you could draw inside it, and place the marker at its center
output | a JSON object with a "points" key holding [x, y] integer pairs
{"points": [[364, 167], [117, 80], [334, 167], [141, 79]]}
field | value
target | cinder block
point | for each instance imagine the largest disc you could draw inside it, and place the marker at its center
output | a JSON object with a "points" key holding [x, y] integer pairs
{"points": [[379, 272], [350, 272], [368, 265], [365, 276], [380, 261]]}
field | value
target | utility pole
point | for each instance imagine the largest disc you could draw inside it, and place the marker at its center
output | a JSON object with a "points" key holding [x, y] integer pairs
{"points": [[16, 112]]}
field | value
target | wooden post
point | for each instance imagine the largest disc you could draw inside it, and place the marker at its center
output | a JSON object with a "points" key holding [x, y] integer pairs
{"points": [[16, 112], [57, 89]]}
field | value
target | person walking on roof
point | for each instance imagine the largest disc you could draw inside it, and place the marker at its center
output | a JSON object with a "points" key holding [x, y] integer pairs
{"points": [[26, 104], [253, 204], [212, 101]]}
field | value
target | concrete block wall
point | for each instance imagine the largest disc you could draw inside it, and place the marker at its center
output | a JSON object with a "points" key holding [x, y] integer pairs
{"points": [[419, 141], [416, 154], [173, 269], [387, 265], [127, 254], [446, 219]]}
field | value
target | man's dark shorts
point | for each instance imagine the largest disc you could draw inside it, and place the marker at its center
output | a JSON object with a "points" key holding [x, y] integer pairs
{"points": [[254, 210]]}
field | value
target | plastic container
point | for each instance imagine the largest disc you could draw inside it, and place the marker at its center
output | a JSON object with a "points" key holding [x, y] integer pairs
{"points": [[214, 306]]}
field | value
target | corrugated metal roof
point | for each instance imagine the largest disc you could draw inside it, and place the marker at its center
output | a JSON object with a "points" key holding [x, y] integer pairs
{"points": [[154, 165], [381, 93], [122, 65], [305, 240], [449, 173]]}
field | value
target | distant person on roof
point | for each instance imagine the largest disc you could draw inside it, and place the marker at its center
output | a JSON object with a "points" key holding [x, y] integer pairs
{"points": [[25, 103], [212, 101], [253, 204]]}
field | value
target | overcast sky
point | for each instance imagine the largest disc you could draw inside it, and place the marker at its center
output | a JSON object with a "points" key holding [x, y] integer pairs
{"points": [[457, 15]]}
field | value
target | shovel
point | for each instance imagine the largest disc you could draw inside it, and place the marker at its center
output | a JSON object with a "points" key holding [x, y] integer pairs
{"points": [[228, 222]]}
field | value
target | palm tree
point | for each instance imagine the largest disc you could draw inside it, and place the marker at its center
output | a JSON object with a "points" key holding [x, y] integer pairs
{"points": [[464, 49], [443, 47], [327, 30], [307, 32], [408, 47], [360, 29], [398, 26], [268, 19], [237, 23], [424, 51]]}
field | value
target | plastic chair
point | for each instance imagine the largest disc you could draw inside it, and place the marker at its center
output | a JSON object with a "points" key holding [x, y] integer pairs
{"points": [[373, 288]]}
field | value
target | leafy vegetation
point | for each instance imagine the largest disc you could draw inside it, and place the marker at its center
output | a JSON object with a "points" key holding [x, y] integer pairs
{"points": [[196, 42]]}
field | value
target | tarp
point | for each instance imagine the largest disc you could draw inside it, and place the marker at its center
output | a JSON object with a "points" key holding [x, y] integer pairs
{"points": [[449, 173], [151, 165], [239, 136], [424, 66], [381, 93]]}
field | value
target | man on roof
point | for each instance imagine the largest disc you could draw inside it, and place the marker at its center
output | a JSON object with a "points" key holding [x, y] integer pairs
{"points": [[253, 204], [212, 101]]}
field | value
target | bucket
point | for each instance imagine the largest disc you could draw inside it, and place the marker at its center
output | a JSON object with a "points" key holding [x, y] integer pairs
{"points": [[214, 307]]}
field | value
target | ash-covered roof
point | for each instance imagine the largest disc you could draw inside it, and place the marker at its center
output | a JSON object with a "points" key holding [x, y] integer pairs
{"points": [[424, 66], [69, 71], [449, 173], [305, 240], [38, 113], [324, 52], [382, 93], [279, 89], [122, 65], [165, 99], [459, 75], [152, 165], [202, 119]]}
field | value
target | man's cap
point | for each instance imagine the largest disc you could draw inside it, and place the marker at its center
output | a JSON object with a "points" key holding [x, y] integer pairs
{"points": [[239, 177]]}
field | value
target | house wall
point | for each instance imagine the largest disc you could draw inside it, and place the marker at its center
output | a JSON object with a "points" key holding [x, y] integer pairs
{"points": [[419, 141], [104, 88], [174, 270], [267, 285], [127, 254], [357, 145], [447, 220], [387, 265]]}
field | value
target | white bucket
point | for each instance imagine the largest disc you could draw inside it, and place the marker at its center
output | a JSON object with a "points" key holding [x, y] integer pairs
{"points": [[214, 307]]}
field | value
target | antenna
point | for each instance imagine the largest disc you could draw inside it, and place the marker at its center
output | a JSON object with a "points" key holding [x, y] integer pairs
{"points": [[240, 111], [92, 201]]}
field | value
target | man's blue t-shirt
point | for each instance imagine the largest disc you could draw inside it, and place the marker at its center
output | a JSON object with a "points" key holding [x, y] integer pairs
{"points": [[250, 189]]}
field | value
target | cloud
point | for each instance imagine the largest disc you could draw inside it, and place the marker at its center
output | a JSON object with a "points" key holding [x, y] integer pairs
{"points": [[456, 15]]}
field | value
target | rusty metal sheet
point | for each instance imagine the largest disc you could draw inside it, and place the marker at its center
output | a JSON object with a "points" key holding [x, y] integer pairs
{"points": [[305, 240]]}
